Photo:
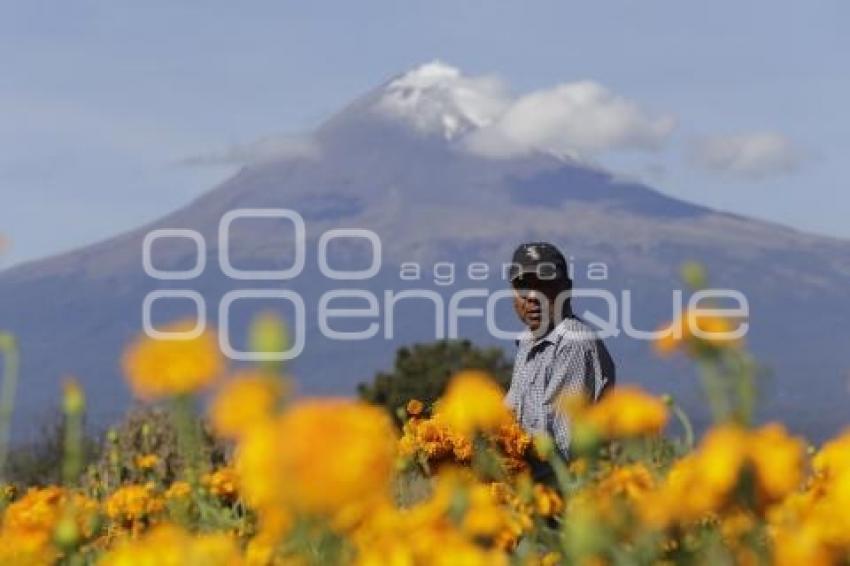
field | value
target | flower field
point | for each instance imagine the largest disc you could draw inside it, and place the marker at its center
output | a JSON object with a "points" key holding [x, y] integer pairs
{"points": [[333, 481]]}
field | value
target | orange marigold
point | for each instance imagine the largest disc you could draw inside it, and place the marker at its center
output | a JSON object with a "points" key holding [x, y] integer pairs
{"points": [[157, 368], [415, 407], [624, 412], [245, 401], [694, 328], [473, 402], [280, 462]]}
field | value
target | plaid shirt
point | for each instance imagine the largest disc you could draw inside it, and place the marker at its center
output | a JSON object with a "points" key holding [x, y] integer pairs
{"points": [[570, 359]]}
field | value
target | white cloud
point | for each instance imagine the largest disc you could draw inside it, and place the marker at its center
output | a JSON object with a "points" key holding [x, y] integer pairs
{"points": [[263, 150], [578, 119], [437, 98], [749, 155]]}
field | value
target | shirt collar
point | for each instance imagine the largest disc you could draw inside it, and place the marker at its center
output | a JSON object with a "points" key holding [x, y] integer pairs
{"points": [[550, 337]]}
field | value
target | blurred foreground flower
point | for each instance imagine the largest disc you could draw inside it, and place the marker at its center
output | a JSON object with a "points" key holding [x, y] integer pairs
{"points": [[696, 329], [168, 544], [244, 401], [710, 479], [627, 411], [30, 524], [473, 402], [320, 457], [159, 368]]}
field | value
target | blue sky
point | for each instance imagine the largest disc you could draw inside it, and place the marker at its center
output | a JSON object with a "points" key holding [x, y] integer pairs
{"points": [[101, 102]]}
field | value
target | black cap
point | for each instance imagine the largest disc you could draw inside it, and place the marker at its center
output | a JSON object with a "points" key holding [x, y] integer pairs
{"points": [[541, 259]]}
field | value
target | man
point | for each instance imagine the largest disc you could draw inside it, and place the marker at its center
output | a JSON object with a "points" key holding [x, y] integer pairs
{"points": [[558, 353]]}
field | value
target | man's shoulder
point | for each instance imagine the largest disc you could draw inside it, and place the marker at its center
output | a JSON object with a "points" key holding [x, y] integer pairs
{"points": [[573, 330]]}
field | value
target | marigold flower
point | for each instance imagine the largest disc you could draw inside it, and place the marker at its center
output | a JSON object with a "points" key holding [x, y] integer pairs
{"points": [[632, 482], [485, 517], [133, 502], [706, 480], [473, 402], [222, 483], [425, 532], [281, 463], [159, 368], [29, 524], [178, 490], [147, 461], [778, 462], [694, 328], [547, 501], [625, 412], [833, 457], [244, 401], [414, 407], [169, 544]]}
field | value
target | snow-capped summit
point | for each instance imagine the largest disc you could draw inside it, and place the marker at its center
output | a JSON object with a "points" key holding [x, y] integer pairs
{"points": [[437, 98]]}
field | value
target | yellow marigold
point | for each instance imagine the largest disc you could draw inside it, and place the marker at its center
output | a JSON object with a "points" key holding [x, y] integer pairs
{"points": [[244, 401], [803, 545], [159, 368], [721, 455], [147, 461], [484, 517], [178, 490], [735, 525], [39, 510], [834, 457], [701, 482], [512, 440], [222, 483], [705, 481], [547, 501], [132, 503], [427, 533], [778, 461], [169, 544], [473, 402], [422, 534], [462, 449], [432, 438], [632, 482], [414, 407], [282, 462], [30, 524], [694, 328], [26, 548], [624, 412]]}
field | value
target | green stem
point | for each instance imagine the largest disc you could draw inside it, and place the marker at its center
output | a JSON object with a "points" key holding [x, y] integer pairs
{"points": [[188, 438], [9, 351], [688, 428], [715, 390], [72, 465]]}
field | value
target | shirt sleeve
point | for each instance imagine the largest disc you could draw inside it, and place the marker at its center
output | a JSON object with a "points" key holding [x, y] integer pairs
{"points": [[573, 373]]}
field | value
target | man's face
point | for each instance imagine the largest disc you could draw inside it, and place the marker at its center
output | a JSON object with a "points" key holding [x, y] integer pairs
{"points": [[535, 301]]}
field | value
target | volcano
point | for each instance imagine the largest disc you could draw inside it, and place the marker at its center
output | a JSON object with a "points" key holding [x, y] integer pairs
{"points": [[398, 162]]}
